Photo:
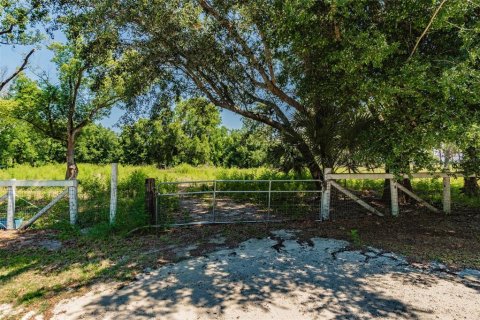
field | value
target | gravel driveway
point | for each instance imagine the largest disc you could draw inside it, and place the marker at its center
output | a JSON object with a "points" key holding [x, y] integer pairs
{"points": [[281, 278]]}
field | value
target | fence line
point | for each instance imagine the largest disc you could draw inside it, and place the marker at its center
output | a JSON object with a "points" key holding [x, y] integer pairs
{"points": [[394, 186], [209, 193], [11, 185]]}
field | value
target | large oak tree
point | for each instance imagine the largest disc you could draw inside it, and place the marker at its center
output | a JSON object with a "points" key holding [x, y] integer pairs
{"points": [[328, 75]]}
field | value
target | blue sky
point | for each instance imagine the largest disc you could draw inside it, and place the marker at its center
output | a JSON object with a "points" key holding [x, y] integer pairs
{"points": [[11, 58]]}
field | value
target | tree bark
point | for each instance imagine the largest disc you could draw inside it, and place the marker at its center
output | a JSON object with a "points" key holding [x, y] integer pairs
{"points": [[317, 175], [72, 169], [470, 187]]}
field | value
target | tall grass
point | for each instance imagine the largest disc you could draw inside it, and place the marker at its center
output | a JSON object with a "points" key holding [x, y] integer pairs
{"points": [[94, 190]]}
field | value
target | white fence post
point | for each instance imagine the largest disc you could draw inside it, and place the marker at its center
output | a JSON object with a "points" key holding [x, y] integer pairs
{"points": [[113, 193], [11, 205], [72, 202], [394, 197], [325, 208], [214, 198], [269, 198], [447, 201]]}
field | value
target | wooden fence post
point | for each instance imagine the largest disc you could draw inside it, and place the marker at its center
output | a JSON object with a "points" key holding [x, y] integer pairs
{"points": [[327, 187], [113, 192], [151, 200], [11, 205], [394, 197], [446, 199], [73, 202]]}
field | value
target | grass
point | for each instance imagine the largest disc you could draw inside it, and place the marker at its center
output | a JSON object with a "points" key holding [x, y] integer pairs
{"points": [[184, 172], [94, 191]]}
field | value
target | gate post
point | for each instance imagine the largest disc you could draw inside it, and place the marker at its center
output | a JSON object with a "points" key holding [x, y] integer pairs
{"points": [[72, 202], [269, 199], [113, 193], [214, 199], [151, 200], [11, 205], [394, 197], [327, 187]]}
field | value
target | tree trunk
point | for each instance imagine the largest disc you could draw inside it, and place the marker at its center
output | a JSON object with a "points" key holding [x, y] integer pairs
{"points": [[470, 187], [317, 174], [403, 198], [72, 169], [470, 165]]}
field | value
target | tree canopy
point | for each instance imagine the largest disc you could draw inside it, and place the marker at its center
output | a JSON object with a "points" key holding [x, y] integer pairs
{"points": [[329, 76], [16, 21]]}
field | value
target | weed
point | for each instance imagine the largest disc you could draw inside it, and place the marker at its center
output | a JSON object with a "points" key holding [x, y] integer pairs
{"points": [[355, 238]]}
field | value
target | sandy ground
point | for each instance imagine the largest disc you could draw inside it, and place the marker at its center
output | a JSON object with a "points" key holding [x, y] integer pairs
{"points": [[281, 278]]}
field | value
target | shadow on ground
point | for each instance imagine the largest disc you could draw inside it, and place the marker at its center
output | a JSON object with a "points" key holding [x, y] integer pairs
{"points": [[280, 278]]}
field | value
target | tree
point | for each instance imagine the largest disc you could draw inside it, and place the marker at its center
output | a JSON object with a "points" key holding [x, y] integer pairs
{"points": [[85, 92], [99, 145], [470, 159], [15, 19], [185, 133], [19, 145], [318, 72]]}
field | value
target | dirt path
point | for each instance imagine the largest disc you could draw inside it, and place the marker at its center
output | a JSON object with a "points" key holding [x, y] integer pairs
{"points": [[283, 278]]}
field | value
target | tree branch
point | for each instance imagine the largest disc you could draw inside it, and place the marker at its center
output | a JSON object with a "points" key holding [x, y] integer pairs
{"points": [[427, 28], [6, 31], [251, 56], [22, 67], [229, 105], [94, 111]]}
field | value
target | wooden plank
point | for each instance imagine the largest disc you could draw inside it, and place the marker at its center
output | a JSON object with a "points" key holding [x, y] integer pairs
{"points": [[356, 199], [382, 176], [113, 193], [447, 198], [44, 210], [414, 196], [38, 183]]}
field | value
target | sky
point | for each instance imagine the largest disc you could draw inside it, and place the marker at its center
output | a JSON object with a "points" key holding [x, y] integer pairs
{"points": [[40, 63]]}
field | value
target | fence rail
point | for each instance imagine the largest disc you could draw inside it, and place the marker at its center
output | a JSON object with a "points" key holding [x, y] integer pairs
{"points": [[216, 201], [11, 185], [394, 189]]}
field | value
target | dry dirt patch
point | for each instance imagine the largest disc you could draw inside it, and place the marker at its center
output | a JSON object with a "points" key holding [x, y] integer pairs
{"points": [[281, 277]]}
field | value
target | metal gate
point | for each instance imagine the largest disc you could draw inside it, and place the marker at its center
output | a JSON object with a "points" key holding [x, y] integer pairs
{"points": [[230, 201]]}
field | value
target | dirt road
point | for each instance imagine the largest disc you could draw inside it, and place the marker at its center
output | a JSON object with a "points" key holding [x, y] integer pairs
{"points": [[280, 278]]}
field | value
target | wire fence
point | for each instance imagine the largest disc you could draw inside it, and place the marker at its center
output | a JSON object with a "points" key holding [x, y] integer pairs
{"points": [[372, 192], [225, 201], [376, 193], [93, 207]]}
